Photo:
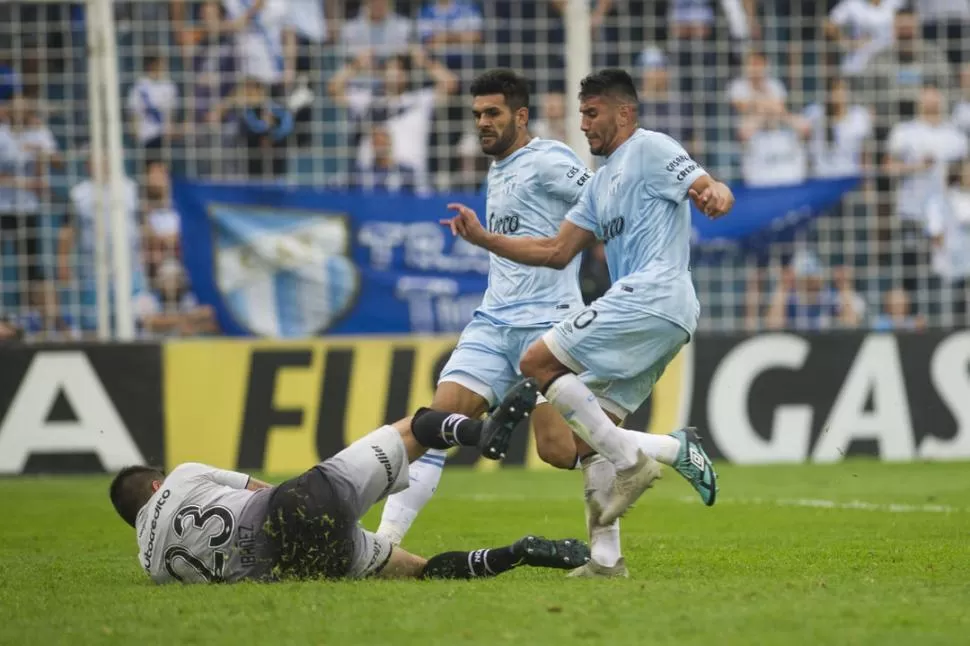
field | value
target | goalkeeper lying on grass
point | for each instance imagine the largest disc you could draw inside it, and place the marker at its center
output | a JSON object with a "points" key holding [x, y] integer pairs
{"points": [[201, 524]]}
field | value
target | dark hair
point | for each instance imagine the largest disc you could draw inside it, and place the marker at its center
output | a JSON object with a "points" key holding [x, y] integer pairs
{"points": [[407, 66], [131, 489], [512, 86], [754, 52], [612, 82], [150, 59]]}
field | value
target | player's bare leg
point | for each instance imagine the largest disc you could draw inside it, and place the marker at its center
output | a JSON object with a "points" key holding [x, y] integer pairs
{"points": [[555, 442], [635, 471], [424, 474]]}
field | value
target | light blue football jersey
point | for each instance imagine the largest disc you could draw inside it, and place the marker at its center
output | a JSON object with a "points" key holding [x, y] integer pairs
{"points": [[637, 203], [529, 193]]}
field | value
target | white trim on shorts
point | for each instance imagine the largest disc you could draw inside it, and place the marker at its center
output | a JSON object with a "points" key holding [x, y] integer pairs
{"points": [[566, 359], [473, 384]]}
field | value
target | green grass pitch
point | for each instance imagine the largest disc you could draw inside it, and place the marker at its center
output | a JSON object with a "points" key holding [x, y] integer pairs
{"points": [[855, 553]]}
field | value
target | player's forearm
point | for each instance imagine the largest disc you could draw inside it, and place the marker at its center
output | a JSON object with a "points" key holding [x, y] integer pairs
{"points": [[255, 485], [535, 252]]}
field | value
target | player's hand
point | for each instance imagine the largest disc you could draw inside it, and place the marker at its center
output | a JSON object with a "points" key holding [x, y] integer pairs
{"points": [[715, 201], [466, 224]]}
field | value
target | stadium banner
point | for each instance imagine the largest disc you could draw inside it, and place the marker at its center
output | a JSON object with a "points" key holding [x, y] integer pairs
{"points": [[294, 262], [777, 398], [291, 263], [281, 406], [80, 408]]}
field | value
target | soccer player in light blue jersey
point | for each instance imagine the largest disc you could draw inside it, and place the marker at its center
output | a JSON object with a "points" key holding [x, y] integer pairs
{"points": [[531, 185], [611, 353]]}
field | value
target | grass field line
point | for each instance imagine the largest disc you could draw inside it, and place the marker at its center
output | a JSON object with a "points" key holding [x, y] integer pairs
{"points": [[816, 503], [852, 505]]}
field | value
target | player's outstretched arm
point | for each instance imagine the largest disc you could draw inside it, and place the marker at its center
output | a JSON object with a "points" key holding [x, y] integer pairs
{"points": [[537, 252], [714, 199]]}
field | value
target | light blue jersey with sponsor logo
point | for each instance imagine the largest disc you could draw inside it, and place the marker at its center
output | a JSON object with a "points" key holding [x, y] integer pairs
{"points": [[637, 203], [529, 194]]}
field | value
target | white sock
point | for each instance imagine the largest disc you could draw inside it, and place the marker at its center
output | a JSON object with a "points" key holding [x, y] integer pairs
{"points": [[402, 508], [662, 448], [578, 406], [598, 475]]}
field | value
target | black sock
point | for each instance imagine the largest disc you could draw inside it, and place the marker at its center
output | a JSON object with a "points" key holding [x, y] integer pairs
{"points": [[470, 565], [435, 429]]}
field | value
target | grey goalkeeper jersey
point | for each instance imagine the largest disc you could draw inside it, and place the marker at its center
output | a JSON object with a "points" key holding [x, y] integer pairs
{"points": [[200, 526]]}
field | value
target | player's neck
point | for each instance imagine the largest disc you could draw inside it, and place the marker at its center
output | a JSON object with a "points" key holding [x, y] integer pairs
{"points": [[520, 142], [621, 138]]}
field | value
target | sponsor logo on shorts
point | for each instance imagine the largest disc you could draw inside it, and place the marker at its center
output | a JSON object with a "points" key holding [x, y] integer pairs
{"points": [[388, 470], [375, 554]]}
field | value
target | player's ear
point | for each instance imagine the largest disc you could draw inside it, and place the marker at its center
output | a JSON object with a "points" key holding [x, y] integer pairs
{"points": [[627, 115], [522, 117], [156, 485]]}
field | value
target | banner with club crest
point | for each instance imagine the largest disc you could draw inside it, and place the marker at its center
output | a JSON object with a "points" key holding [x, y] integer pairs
{"points": [[289, 262]]}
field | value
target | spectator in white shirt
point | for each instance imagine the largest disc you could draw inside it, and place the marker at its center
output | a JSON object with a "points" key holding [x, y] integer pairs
{"points": [[33, 135], [839, 132], [172, 309], [405, 111], [919, 154], [947, 22], [384, 175], [894, 78], [961, 110], [89, 200], [948, 226], [151, 106], [755, 87], [24, 196], [774, 146], [862, 28], [377, 32], [162, 225], [265, 41]]}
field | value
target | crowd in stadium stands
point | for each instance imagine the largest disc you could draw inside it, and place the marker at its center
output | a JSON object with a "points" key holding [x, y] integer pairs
{"points": [[370, 95]]}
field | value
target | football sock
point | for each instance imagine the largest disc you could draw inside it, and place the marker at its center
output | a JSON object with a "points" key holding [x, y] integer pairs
{"points": [[604, 541], [470, 565], [435, 429], [578, 406], [402, 508], [662, 448]]}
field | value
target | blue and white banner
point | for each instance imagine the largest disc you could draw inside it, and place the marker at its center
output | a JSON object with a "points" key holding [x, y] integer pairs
{"points": [[294, 262], [765, 215], [284, 262]]}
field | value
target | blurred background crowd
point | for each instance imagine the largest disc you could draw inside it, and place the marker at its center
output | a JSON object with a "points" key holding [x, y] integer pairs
{"points": [[371, 95]]}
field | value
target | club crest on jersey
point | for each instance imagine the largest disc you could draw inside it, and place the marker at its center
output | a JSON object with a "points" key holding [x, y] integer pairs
{"points": [[615, 182]]}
